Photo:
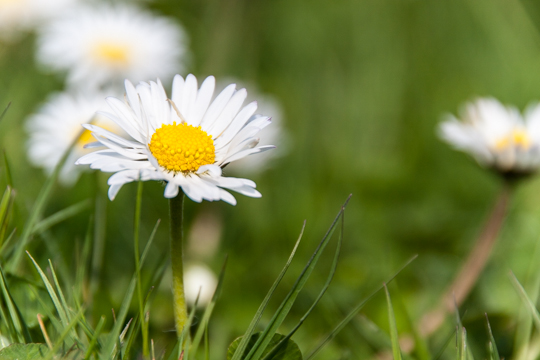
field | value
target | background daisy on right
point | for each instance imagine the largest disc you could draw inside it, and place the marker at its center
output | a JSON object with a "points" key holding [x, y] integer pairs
{"points": [[496, 135]]}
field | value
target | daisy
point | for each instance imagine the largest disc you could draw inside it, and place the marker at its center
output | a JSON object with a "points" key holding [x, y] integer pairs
{"points": [[104, 44], [497, 136], [185, 140], [23, 15], [56, 124]]}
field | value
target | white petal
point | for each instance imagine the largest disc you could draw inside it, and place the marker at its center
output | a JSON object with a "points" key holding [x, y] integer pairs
{"points": [[203, 100], [217, 107], [171, 190], [228, 113]]}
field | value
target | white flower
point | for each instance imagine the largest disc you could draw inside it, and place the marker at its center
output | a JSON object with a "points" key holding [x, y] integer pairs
{"points": [[200, 281], [56, 124], [275, 134], [497, 136], [23, 15], [184, 141], [104, 44]]}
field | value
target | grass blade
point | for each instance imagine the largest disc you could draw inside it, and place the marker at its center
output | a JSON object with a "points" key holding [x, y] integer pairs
{"points": [[208, 312], [251, 328], [5, 111], [529, 304], [60, 216], [16, 318], [117, 328], [355, 311], [69, 328], [9, 179], [268, 333], [331, 273], [39, 205], [396, 351], [94, 340], [492, 346]]}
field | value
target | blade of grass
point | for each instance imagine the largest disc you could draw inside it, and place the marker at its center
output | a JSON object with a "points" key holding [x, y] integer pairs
{"points": [[39, 205], [115, 332], [5, 111], [331, 273], [355, 311], [94, 340], [278, 317], [14, 312], [69, 328], [396, 351], [529, 304], [462, 353], [52, 293], [208, 312], [5, 210], [492, 346], [60, 216], [9, 179], [251, 328]]}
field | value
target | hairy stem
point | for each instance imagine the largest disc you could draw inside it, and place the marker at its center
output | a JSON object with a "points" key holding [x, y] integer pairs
{"points": [[176, 206]]}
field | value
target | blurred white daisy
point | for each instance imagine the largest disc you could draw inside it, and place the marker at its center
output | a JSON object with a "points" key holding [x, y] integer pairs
{"points": [[102, 45], [497, 136], [185, 140], [56, 124], [200, 281], [275, 134], [24, 15]]}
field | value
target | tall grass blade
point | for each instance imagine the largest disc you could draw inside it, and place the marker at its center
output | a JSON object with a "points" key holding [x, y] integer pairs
{"points": [[251, 328], [61, 216], [492, 346], [15, 316], [5, 111], [52, 293], [268, 333], [9, 179], [39, 205], [396, 351], [355, 311], [124, 307], [529, 304], [331, 273], [94, 341], [69, 328], [208, 312]]}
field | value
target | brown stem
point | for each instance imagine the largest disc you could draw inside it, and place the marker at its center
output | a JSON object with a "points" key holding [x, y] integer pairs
{"points": [[460, 288]]}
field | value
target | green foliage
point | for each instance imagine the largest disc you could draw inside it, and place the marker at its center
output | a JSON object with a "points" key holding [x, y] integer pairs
{"points": [[286, 348], [24, 352]]}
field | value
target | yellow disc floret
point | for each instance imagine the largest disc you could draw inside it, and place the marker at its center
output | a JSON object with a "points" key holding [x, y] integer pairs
{"points": [[182, 147]]}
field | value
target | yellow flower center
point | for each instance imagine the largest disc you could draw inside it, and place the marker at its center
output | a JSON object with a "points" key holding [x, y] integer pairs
{"points": [[182, 147], [518, 138], [111, 53], [85, 138]]}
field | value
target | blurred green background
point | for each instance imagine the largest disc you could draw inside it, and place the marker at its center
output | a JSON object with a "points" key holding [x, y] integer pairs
{"points": [[363, 85]]}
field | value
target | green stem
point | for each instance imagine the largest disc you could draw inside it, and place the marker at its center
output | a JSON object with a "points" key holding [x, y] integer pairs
{"points": [[176, 206], [137, 220]]}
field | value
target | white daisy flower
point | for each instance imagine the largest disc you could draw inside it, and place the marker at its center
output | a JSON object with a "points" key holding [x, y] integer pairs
{"points": [[200, 281], [24, 15], [497, 136], [185, 140], [104, 44], [56, 124]]}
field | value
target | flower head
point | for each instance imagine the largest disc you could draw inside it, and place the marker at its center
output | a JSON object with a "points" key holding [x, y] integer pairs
{"points": [[185, 140], [103, 44], [56, 124], [22, 15], [497, 136]]}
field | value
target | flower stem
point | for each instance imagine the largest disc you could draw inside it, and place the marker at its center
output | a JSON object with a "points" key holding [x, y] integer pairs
{"points": [[137, 220], [464, 281], [176, 208]]}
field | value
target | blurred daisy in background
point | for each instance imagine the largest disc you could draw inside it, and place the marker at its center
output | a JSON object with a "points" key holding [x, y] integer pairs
{"points": [[498, 136], [185, 140], [275, 134], [57, 123], [199, 280], [104, 44], [17, 16]]}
